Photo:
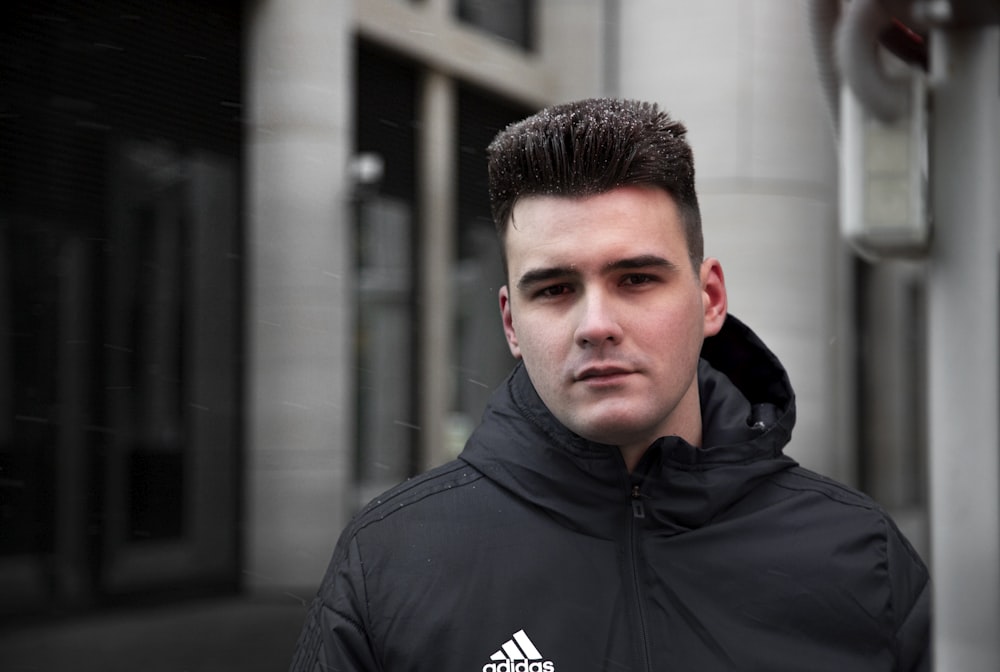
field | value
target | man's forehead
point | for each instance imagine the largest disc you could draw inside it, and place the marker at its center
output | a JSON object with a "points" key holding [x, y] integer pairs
{"points": [[625, 200], [540, 219]]}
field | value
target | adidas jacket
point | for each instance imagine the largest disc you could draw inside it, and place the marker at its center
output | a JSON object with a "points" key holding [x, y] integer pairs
{"points": [[537, 551]]}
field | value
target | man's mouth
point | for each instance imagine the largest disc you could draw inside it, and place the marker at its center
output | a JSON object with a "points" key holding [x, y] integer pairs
{"points": [[601, 373]]}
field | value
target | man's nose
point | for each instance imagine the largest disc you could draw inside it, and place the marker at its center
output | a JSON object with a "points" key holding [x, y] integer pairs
{"points": [[598, 320]]}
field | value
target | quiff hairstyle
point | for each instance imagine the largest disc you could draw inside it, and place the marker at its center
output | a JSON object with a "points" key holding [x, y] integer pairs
{"points": [[591, 147]]}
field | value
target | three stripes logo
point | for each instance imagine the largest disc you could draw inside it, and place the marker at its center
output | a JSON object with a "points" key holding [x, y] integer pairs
{"points": [[518, 654]]}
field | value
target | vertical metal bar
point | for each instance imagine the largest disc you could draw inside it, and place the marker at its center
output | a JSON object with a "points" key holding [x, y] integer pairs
{"points": [[964, 339]]}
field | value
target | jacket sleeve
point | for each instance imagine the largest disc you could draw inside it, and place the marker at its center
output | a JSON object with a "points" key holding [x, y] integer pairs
{"points": [[335, 637], [911, 590]]}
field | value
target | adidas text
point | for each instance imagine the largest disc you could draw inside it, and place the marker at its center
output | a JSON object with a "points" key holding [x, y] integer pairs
{"points": [[519, 654], [520, 666]]}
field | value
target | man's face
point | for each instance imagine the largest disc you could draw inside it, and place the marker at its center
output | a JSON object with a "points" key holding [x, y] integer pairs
{"points": [[608, 314]]}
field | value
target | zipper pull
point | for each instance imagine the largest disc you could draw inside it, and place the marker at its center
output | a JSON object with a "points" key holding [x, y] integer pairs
{"points": [[638, 510]]}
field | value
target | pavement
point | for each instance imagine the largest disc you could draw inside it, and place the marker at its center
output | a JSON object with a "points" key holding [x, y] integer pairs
{"points": [[208, 635]]}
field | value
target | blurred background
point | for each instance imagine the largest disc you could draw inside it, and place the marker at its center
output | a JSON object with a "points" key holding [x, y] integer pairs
{"points": [[248, 279]]}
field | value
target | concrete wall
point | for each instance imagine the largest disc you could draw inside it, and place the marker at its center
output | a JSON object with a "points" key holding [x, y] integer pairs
{"points": [[299, 318], [574, 46], [740, 74]]}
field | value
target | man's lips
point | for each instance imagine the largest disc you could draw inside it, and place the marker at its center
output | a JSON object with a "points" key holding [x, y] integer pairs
{"points": [[600, 373]]}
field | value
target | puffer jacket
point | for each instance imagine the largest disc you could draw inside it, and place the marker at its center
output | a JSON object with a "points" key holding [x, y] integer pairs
{"points": [[537, 551]]}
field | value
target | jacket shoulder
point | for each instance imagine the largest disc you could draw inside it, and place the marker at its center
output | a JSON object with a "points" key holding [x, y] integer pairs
{"points": [[860, 512], [378, 524], [414, 491], [805, 480], [845, 500], [907, 576]]}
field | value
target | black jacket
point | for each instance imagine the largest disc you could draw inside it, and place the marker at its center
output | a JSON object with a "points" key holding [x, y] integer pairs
{"points": [[537, 551]]}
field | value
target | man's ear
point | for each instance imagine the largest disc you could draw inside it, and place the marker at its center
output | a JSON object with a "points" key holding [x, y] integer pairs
{"points": [[508, 323], [713, 293]]}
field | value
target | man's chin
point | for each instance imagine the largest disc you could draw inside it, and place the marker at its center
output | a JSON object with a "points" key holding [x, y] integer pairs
{"points": [[613, 431]]}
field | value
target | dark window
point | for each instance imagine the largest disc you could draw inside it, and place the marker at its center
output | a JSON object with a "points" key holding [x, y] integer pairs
{"points": [[510, 20], [386, 256], [481, 358]]}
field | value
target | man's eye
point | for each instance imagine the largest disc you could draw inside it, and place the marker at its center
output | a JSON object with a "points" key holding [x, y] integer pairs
{"points": [[636, 279], [552, 291]]}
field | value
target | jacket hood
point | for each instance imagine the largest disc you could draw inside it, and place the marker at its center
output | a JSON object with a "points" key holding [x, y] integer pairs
{"points": [[748, 411]]}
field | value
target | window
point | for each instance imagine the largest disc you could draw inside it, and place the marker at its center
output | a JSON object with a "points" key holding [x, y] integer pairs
{"points": [[481, 359], [386, 422], [511, 20]]}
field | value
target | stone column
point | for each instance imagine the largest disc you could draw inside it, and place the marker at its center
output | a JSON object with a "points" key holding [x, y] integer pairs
{"points": [[299, 290], [963, 339]]}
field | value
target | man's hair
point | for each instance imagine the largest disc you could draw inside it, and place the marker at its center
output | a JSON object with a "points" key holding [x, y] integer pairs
{"points": [[591, 147]]}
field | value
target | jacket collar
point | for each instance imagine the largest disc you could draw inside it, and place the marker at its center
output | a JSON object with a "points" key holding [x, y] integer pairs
{"points": [[748, 410]]}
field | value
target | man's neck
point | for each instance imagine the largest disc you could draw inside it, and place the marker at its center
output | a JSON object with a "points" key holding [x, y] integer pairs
{"points": [[685, 424]]}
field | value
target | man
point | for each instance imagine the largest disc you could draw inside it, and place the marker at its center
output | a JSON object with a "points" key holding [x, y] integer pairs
{"points": [[625, 503]]}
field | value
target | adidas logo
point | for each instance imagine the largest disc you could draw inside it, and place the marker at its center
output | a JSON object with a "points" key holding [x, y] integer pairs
{"points": [[518, 654]]}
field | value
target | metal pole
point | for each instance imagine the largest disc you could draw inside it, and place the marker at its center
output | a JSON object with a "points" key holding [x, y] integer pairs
{"points": [[964, 339]]}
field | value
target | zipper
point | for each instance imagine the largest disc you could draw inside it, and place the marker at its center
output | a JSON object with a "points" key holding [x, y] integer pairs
{"points": [[635, 521], [638, 509]]}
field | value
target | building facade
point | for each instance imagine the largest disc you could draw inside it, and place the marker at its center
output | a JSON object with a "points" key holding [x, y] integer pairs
{"points": [[250, 276]]}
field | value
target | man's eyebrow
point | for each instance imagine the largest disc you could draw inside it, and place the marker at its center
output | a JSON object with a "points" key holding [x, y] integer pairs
{"points": [[544, 274], [537, 275], [641, 261]]}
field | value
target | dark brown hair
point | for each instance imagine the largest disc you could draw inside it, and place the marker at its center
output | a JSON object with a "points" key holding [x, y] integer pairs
{"points": [[591, 147]]}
